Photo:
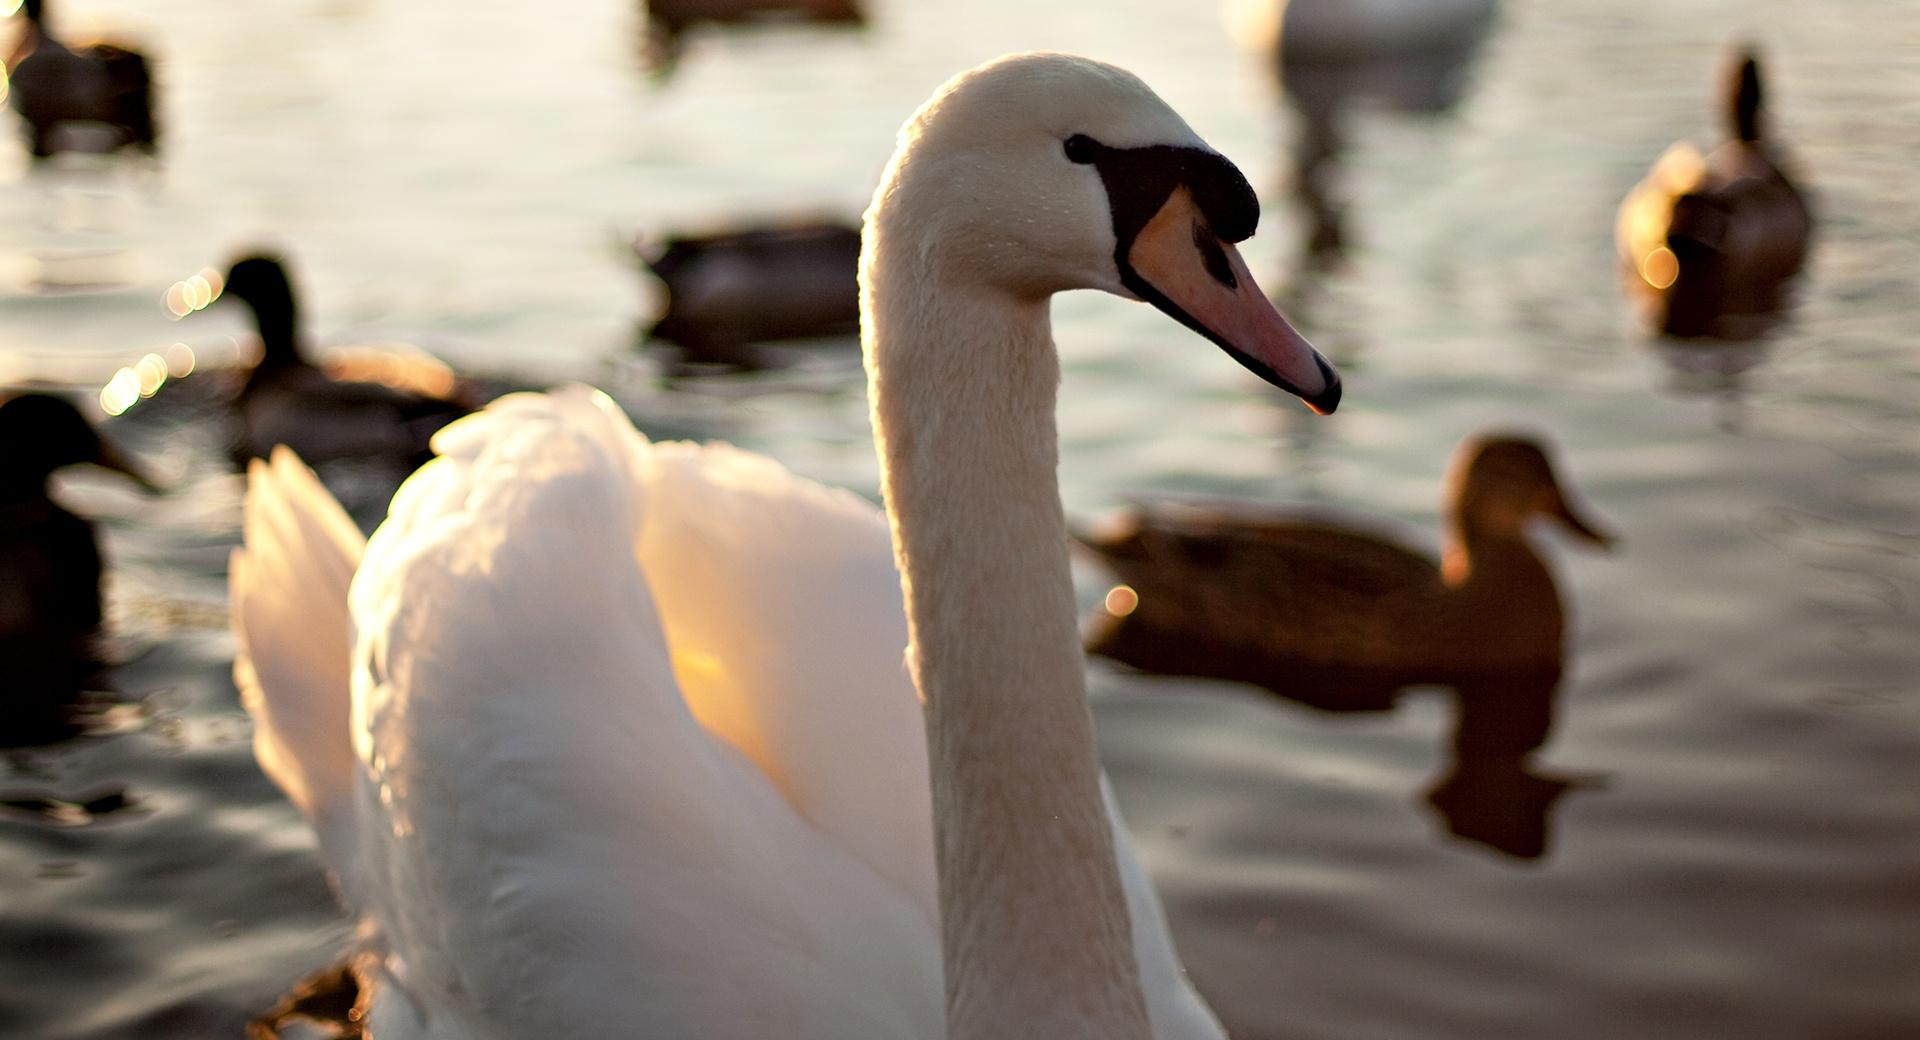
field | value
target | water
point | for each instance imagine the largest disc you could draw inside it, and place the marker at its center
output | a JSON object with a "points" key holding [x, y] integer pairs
{"points": [[1739, 855]]}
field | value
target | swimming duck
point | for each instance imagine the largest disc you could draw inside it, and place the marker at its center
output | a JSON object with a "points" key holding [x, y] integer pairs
{"points": [[1271, 599], [50, 84], [49, 566], [1709, 245], [607, 737], [386, 410], [729, 290], [668, 20]]}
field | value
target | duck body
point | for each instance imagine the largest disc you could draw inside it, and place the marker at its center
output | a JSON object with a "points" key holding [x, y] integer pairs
{"points": [[50, 568], [1274, 598], [760, 284], [287, 399], [52, 85], [1710, 245]]}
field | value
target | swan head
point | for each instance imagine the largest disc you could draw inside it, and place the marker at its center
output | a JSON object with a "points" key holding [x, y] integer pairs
{"points": [[1039, 173]]}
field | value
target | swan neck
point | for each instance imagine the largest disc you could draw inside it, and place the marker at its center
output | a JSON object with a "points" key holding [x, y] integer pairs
{"points": [[1035, 929]]}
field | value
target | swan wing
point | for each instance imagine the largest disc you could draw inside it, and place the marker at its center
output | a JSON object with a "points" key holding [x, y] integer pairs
{"points": [[288, 590], [557, 845]]}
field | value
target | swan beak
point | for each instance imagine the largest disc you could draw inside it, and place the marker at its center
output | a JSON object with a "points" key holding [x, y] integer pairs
{"points": [[1200, 280]]}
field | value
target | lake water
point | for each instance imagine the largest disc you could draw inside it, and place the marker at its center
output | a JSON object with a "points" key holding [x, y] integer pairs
{"points": [[1721, 835]]}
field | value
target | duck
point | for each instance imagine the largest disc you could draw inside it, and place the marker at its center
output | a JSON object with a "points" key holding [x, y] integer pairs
{"points": [[1711, 245], [50, 565], [1329, 611], [381, 406], [668, 20], [753, 284], [51, 85], [600, 735]]}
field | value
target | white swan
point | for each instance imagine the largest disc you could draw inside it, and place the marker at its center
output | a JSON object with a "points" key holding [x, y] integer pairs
{"points": [[630, 749]]}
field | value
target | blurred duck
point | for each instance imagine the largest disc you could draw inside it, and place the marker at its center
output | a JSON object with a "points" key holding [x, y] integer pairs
{"points": [[667, 20], [730, 290], [1271, 599], [52, 85], [49, 566], [1709, 244], [373, 404]]}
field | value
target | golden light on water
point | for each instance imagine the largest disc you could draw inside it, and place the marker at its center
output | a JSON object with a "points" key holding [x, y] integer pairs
{"points": [[152, 371], [1122, 600], [194, 293], [121, 392], [1660, 267]]}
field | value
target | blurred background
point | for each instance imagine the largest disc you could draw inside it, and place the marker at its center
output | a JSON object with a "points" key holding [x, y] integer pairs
{"points": [[1703, 822]]}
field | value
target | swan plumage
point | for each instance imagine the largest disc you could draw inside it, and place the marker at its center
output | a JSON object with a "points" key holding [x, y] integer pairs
{"points": [[784, 757], [632, 740]]}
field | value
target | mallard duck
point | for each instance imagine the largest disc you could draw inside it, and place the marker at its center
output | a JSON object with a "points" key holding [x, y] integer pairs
{"points": [[1273, 598], [49, 566], [1709, 245], [729, 290], [50, 84], [607, 737], [667, 20], [383, 406]]}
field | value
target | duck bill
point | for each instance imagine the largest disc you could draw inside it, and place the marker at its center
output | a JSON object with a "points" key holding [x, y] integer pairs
{"points": [[1179, 265], [109, 457], [1578, 524]]}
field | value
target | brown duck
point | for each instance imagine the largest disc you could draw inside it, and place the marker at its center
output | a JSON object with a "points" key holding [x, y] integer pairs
{"points": [[1291, 603], [1709, 244]]}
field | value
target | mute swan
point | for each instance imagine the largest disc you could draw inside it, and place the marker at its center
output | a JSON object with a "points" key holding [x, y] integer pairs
{"points": [[630, 746], [729, 290], [289, 400], [1266, 598], [49, 566], [50, 84], [1708, 246]]}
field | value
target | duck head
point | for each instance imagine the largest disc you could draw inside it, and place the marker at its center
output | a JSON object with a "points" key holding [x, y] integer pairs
{"points": [[1500, 482], [42, 433], [260, 281], [1040, 173]]}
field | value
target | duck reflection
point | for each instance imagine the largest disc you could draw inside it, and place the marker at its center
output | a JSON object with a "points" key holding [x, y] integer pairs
{"points": [[50, 604], [667, 21], [726, 292], [1413, 56], [1323, 612], [1710, 245], [59, 89]]}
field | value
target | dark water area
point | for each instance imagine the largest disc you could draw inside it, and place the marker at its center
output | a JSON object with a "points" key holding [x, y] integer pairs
{"points": [[1718, 832]]}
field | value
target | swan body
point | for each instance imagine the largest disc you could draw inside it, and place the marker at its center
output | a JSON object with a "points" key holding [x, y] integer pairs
{"points": [[389, 413], [1269, 597], [620, 737], [50, 570], [1709, 245], [51, 85]]}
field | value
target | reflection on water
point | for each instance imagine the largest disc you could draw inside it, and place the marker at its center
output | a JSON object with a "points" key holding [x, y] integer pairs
{"points": [[1332, 56], [666, 22]]}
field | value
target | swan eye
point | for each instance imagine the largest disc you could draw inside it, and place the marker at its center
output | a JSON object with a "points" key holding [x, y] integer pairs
{"points": [[1081, 149]]}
